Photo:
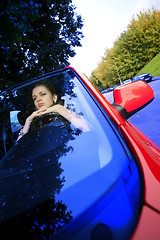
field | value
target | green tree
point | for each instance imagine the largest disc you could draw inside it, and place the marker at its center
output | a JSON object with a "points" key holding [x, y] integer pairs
{"points": [[36, 36], [132, 50]]}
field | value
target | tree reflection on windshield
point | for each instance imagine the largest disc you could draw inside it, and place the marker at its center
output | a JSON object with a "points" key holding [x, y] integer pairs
{"points": [[30, 176]]}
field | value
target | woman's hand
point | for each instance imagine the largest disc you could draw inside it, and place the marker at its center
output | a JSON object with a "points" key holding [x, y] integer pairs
{"points": [[42, 111], [36, 113], [78, 121], [29, 120], [72, 117]]}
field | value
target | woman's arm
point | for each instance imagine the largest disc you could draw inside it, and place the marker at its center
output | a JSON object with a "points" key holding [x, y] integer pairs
{"points": [[28, 122], [78, 121]]}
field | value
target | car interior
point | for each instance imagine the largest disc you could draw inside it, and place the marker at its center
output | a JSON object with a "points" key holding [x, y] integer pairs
{"points": [[16, 105]]}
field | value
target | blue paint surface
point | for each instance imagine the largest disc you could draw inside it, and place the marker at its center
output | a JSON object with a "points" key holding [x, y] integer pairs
{"points": [[147, 120]]}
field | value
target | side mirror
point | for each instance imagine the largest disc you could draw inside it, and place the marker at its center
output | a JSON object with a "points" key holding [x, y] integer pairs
{"points": [[132, 97]]}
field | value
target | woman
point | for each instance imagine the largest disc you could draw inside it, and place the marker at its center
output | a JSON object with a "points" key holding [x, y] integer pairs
{"points": [[45, 103]]}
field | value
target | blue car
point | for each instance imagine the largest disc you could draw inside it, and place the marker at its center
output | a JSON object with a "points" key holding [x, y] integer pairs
{"points": [[107, 90], [144, 77], [127, 81]]}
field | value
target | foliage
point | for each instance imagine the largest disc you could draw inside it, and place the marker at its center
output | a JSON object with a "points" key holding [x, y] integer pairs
{"points": [[36, 37], [131, 51], [152, 67]]}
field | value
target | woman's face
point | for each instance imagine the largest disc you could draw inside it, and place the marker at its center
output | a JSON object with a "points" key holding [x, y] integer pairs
{"points": [[42, 97]]}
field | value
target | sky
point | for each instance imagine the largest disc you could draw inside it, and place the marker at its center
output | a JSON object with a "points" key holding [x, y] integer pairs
{"points": [[104, 21]]}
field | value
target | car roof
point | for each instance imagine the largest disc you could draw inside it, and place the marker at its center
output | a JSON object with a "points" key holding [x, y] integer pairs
{"points": [[31, 80]]}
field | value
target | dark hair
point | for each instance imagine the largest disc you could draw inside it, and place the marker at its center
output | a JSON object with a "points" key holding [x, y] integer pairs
{"points": [[45, 84]]}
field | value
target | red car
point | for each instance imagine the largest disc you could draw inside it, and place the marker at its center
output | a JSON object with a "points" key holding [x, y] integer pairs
{"points": [[94, 178], [128, 100]]}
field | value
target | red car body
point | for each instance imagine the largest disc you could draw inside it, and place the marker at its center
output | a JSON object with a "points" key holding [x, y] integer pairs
{"points": [[30, 169], [148, 154]]}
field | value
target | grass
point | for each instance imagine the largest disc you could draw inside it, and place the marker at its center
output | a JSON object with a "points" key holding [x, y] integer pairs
{"points": [[153, 67]]}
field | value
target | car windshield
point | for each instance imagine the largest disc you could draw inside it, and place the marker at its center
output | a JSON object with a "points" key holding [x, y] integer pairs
{"points": [[43, 173]]}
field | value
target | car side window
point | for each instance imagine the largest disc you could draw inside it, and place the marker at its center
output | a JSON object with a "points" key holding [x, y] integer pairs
{"points": [[15, 124]]}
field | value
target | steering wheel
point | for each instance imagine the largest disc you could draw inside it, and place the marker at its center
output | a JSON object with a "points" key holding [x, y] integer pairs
{"points": [[53, 119]]}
